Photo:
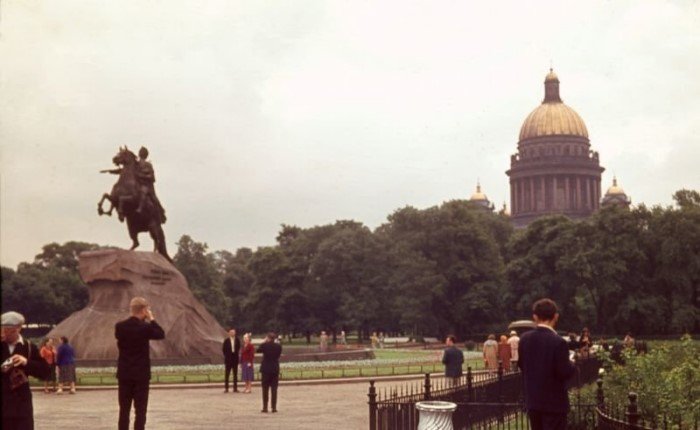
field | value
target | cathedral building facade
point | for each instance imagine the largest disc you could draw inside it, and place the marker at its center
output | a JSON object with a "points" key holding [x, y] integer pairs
{"points": [[554, 171]]}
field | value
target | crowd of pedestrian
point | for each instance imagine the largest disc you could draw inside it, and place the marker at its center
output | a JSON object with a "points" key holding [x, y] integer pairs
{"points": [[56, 365]]}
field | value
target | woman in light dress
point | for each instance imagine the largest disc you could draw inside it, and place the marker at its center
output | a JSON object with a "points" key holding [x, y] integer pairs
{"points": [[491, 353]]}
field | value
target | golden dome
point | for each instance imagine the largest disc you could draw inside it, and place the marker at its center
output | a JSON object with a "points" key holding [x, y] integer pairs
{"points": [[615, 190], [478, 196], [552, 117]]}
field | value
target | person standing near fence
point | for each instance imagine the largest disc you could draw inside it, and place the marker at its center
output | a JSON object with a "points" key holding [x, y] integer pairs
{"points": [[270, 370], [504, 354], [231, 348], [545, 364], [513, 341], [134, 362], [490, 352], [452, 358]]}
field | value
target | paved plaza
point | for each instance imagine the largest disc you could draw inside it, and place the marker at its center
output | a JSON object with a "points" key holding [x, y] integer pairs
{"points": [[327, 406]]}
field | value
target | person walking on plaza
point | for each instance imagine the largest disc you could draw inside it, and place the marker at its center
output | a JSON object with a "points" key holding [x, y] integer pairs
{"points": [[452, 358], [546, 367], [48, 353], [490, 352], [504, 353], [20, 358], [231, 349], [134, 362], [323, 342], [374, 340], [343, 339], [65, 359], [247, 362], [513, 341], [270, 370]]}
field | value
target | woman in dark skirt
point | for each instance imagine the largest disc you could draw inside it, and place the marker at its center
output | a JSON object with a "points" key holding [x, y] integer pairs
{"points": [[247, 367], [48, 353]]}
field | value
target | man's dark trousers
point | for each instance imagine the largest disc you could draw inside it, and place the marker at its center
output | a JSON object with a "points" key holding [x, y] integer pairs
{"points": [[269, 383], [135, 391], [547, 421], [231, 366]]}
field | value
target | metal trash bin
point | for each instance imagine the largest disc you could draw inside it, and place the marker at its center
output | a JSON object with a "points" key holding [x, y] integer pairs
{"points": [[435, 415]]}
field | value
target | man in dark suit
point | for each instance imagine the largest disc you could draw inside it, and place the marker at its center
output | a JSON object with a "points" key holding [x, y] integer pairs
{"points": [[543, 357], [20, 358], [452, 358], [231, 349], [134, 364], [270, 369]]}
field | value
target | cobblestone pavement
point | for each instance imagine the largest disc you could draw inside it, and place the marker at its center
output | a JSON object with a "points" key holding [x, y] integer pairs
{"points": [[329, 406]]}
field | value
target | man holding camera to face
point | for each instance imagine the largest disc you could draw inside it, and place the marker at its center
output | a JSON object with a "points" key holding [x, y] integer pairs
{"points": [[134, 364], [20, 359]]}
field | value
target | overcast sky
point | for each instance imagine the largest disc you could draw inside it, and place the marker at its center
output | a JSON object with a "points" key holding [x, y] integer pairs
{"points": [[258, 113]]}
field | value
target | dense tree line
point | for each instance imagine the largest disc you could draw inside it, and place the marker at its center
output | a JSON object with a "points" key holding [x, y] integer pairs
{"points": [[448, 268]]}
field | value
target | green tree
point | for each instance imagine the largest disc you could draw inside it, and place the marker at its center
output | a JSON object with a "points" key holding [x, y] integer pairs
{"points": [[202, 274]]}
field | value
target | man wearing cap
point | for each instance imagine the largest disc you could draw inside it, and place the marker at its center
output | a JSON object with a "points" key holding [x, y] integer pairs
{"points": [[20, 358], [513, 341], [134, 363]]}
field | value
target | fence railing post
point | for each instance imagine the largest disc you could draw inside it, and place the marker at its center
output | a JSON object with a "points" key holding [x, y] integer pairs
{"points": [[470, 385], [372, 406], [500, 381], [632, 414], [426, 387], [600, 395]]}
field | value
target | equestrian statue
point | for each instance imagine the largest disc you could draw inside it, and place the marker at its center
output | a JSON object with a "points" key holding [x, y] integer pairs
{"points": [[134, 198]]}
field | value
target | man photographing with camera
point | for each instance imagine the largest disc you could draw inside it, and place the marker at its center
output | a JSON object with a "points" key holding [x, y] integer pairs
{"points": [[134, 364], [20, 359]]}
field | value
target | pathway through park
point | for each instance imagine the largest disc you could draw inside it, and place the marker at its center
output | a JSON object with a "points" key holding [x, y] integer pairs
{"points": [[327, 406]]}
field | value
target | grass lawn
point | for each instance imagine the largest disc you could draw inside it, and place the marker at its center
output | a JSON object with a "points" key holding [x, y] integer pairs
{"points": [[387, 362]]}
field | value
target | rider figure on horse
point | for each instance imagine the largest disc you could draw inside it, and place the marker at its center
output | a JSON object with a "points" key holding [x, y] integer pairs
{"points": [[146, 177]]}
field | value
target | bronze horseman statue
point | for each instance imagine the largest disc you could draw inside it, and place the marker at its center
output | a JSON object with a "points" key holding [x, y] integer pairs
{"points": [[134, 198]]}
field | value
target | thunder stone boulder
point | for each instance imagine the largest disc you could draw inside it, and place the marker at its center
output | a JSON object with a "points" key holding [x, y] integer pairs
{"points": [[114, 277]]}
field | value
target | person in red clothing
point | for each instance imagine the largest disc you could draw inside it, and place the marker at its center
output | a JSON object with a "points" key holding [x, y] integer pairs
{"points": [[504, 353], [48, 353], [247, 367]]}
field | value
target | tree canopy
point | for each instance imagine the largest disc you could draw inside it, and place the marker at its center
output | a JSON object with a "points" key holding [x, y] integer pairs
{"points": [[452, 268]]}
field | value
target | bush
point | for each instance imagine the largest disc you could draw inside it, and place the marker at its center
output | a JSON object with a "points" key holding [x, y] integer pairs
{"points": [[666, 380]]}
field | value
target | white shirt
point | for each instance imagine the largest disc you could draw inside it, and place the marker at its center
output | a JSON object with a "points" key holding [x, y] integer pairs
{"points": [[11, 346]]}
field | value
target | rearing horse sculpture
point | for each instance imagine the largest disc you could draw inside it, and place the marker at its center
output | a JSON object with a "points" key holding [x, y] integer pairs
{"points": [[125, 198]]}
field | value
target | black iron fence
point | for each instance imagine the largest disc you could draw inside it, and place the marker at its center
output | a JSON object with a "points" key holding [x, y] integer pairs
{"points": [[629, 417], [484, 399], [494, 401]]}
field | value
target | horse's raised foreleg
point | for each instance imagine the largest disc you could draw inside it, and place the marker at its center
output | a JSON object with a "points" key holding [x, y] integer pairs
{"points": [[101, 211]]}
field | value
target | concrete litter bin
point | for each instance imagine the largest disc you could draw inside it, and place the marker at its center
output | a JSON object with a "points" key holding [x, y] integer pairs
{"points": [[435, 415]]}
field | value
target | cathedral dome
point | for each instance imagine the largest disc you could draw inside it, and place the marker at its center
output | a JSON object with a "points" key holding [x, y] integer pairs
{"points": [[615, 190], [615, 196], [552, 117], [478, 196]]}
